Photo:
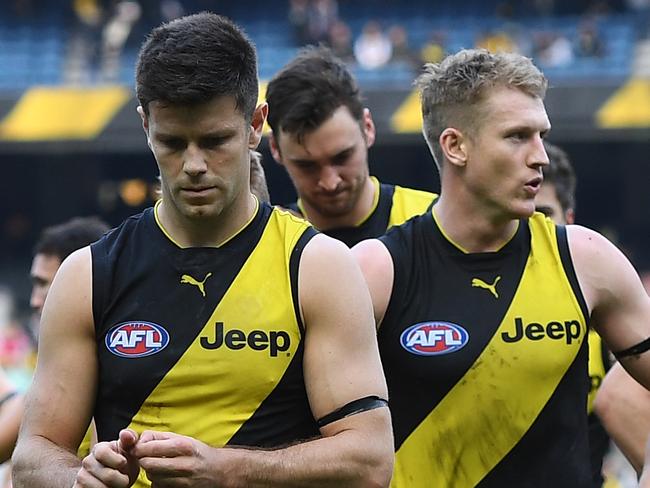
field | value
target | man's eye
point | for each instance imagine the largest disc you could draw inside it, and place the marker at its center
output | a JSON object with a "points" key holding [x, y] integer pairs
{"points": [[213, 142], [341, 159], [173, 143], [304, 166]]}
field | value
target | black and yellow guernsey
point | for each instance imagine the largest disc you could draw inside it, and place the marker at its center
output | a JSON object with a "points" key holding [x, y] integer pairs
{"points": [[204, 342], [392, 205], [485, 355]]}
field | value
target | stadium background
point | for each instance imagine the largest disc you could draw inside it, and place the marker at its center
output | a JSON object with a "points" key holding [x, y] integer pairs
{"points": [[71, 141]]}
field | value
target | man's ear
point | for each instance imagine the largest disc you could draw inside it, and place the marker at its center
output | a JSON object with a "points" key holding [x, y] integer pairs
{"points": [[257, 125], [145, 123], [454, 146], [368, 126], [275, 148]]}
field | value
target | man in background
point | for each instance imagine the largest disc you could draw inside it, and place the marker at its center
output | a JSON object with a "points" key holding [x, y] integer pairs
{"points": [[615, 398], [556, 199], [623, 406], [321, 133], [54, 245]]}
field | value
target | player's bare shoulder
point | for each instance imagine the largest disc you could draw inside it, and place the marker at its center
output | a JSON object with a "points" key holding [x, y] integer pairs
{"points": [[327, 264], [373, 257], [376, 264], [69, 300], [605, 274], [587, 243], [324, 253]]}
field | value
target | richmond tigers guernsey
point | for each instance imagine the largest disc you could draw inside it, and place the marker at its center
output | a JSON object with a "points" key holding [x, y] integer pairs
{"points": [[203, 342], [392, 205], [485, 355]]}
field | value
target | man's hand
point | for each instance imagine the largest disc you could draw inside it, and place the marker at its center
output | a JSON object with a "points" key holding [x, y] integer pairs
{"points": [[110, 464], [172, 460]]}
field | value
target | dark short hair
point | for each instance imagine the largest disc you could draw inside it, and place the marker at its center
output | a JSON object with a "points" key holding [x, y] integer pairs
{"points": [[196, 58], [308, 90], [561, 175], [63, 239]]}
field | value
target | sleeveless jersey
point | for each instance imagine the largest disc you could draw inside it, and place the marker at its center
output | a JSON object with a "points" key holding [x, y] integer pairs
{"points": [[203, 342], [392, 205], [485, 355]]}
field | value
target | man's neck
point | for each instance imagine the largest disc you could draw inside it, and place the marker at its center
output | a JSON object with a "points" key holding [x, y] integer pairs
{"points": [[206, 232], [472, 229], [359, 213]]}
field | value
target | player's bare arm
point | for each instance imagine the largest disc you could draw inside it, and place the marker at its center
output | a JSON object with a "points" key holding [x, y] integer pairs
{"points": [[342, 363], [644, 481], [346, 390], [622, 405], [59, 403], [619, 305], [11, 412], [377, 268]]}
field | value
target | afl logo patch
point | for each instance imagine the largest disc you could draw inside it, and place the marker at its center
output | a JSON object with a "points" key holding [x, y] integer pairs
{"points": [[434, 338], [136, 339]]}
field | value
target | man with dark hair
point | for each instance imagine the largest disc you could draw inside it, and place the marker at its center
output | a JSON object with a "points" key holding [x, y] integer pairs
{"points": [[225, 342], [556, 197], [54, 245], [321, 133], [484, 304], [556, 200]]}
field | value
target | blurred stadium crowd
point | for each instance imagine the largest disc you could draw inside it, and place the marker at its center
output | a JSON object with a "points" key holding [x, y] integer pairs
{"points": [[96, 41]]}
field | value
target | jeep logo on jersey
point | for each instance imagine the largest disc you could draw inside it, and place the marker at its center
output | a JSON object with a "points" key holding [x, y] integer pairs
{"points": [[136, 339], [567, 331], [259, 340], [434, 338]]}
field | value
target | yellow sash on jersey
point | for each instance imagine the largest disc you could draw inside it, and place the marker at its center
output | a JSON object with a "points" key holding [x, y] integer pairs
{"points": [[210, 394], [87, 442], [489, 410], [596, 367]]}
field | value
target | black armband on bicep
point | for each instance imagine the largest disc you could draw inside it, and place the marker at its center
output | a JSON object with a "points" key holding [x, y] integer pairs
{"points": [[635, 350], [353, 408]]}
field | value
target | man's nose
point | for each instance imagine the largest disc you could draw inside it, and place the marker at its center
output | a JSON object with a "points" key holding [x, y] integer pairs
{"points": [[194, 161], [329, 179]]}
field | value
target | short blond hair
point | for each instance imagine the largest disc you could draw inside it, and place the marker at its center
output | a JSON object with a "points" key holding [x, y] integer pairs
{"points": [[258, 184], [451, 90]]}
